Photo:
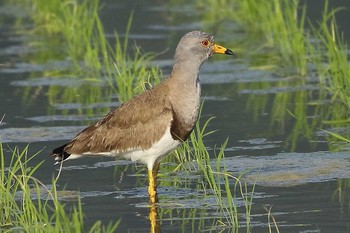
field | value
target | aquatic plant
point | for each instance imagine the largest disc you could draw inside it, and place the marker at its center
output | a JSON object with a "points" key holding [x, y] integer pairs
{"points": [[124, 73], [313, 49], [324, 48], [127, 74], [334, 72], [99, 68], [194, 156], [28, 205], [280, 31]]}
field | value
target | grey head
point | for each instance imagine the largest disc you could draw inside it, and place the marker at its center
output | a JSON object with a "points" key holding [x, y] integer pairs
{"points": [[195, 44], [196, 47]]}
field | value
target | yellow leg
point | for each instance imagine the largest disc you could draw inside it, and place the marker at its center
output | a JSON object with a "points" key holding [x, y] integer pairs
{"points": [[152, 192], [152, 184]]}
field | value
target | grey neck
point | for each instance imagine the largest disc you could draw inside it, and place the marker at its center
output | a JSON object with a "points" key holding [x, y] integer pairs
{"points": [[186, 71]]}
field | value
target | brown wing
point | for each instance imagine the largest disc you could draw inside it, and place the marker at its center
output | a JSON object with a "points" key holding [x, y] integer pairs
{"points": [[137, 123]]}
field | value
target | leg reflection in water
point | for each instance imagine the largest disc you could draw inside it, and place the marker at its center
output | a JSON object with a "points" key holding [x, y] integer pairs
{"points": [[153, 219]]}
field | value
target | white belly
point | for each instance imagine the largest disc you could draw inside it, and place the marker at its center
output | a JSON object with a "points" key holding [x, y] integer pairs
{"points": [[159, 149]]}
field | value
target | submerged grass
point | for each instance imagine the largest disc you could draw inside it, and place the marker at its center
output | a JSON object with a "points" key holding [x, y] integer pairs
{"points": [[281, 25], [334, 73], [332, 59], [293, 47], [217, 180], [83, 42], [329, 54], [28, 205], [79, 26], [75, 30]]}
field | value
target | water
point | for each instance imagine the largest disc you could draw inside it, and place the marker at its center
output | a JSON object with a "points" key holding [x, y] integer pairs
{"points": [[303, 188]]}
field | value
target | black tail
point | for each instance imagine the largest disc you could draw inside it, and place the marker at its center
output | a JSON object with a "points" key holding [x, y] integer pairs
{"points": [[59, 154]]}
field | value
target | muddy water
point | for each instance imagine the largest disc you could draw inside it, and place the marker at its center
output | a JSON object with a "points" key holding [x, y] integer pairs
{"points": [[304, 187]]}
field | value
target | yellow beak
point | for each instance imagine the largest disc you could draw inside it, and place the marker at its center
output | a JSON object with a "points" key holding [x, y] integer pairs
{"points": [[220, 49]]}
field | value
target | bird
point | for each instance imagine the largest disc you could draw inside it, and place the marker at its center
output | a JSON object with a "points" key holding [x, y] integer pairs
{"points": [[149, 126]]}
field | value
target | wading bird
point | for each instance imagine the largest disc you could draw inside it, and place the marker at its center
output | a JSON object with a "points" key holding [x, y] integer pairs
{"points": [[149, 126]]}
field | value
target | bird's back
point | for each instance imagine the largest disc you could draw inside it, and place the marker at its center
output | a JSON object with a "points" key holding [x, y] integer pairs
{"points": [[136, 124]]}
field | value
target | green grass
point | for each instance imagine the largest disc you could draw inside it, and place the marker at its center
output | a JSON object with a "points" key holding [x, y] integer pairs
{"points": [[226, 188], [74, 30], [332, 61], [334, 72], [282, 27], [77, 24], [93, 58], [28, 205], [289, 45], [328, 53], [193, 156], [284, 36], [275, 29]]}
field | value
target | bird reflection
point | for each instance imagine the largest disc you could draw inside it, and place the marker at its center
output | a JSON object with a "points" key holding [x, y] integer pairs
{"points": [[153, 219]]}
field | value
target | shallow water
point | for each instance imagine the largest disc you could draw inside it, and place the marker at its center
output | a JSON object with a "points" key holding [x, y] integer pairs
{"points": [[304, 187]]}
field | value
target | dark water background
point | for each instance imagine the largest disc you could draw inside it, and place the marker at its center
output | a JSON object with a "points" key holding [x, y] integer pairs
{"points": [[303, 186]]}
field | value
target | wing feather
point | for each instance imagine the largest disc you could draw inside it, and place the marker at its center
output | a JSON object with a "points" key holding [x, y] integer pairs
{"points": [[137, 123]]}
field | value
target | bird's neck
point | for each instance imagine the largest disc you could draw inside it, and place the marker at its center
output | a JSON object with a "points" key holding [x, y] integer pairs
{"points": [[186, 72], [185, 92]]}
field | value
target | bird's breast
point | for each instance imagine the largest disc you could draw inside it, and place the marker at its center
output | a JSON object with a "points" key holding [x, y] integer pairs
{"points": [[185, 113]]}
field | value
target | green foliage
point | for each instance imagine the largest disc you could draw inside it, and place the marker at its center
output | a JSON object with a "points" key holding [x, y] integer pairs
{"points": [[217, 180], [335, 71], [27, 205], [312, 49], [281, 27], [76, 23], [75, 30]]}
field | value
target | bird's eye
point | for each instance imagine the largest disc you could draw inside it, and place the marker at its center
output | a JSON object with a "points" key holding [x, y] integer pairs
{"points": [[205, 43]]}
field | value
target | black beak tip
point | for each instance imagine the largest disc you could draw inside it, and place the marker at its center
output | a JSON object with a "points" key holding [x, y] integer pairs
{"points": [[230, 52]]}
